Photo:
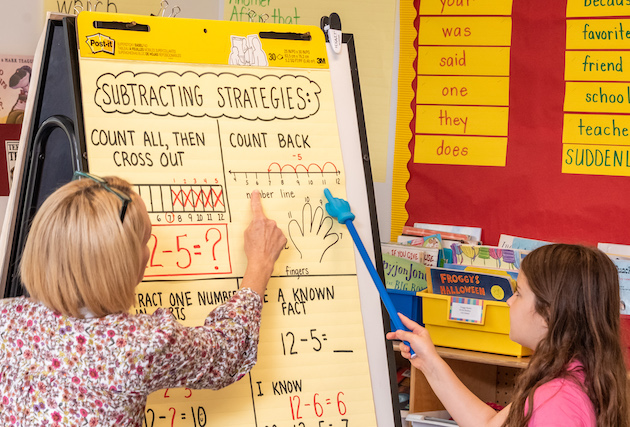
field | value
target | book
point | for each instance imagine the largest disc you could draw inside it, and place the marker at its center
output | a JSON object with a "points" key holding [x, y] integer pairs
{"points": [[413, 231], [614, 249], [426, 256], [623, 266], [15, 78], [9, 141], [487, 270], [513, 242], [468, 284], [474, 232], [432, 241], [488, 256], [403, 274]]}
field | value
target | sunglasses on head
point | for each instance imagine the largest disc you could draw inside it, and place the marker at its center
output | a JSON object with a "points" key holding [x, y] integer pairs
{"points": [[122, 196]]}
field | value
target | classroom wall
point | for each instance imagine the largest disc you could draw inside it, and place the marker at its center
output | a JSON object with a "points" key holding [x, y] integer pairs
{"points": [[21, 27]]}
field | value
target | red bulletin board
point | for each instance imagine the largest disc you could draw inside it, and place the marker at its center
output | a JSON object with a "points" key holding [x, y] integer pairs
{"points": [[530, 196]]}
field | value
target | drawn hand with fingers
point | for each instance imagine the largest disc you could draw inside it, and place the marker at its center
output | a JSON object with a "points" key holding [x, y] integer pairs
{"points": [[314, 231]]}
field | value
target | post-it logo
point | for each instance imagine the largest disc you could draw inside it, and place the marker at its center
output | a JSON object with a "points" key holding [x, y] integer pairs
{"points": [[101, 43]]}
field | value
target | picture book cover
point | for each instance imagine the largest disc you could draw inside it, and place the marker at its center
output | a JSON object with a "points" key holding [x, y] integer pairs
{"points": [[414, 231], [15, 77], [432, 241], [514, 242], [426, 256], [474, 232], [403, 274], [469, 284], [614, 249], [9, 141], [623, 266], [488, 256], [486, 270]]}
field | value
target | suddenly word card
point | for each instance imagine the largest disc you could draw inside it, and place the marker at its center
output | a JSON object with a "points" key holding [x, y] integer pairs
{"points": [[197, 115], [462, 90], [467, 310]]}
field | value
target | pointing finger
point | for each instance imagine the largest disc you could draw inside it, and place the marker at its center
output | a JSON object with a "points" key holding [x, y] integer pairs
{"points": [[328, 195], [257, 209]]}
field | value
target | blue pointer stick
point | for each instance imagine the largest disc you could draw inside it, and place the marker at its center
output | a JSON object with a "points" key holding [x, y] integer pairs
{"points": [[340, 209]]}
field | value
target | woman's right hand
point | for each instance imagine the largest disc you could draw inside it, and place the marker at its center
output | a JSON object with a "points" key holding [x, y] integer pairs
{"points": [[420, 341], [263, 243]]}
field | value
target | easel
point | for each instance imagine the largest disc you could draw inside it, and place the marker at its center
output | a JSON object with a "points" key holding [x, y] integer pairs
{"points": [[56, 147], [56, 141]]}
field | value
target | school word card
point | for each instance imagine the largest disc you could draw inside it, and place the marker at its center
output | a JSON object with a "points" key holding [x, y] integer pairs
{"points": [[197, 115]]}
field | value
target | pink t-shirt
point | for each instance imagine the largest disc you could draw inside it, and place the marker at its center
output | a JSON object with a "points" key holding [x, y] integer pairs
{"points": [[562, 403]]}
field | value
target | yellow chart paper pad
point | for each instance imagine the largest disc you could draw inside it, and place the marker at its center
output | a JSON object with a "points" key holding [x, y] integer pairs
{"points": [[459, 120], [597, 65], [598, 33], [195, 134], [597, 97], [466, 7], [460, 150], [596, 159], [596, 129], [461, 60], [586, 8], [373, 51], [465, 31], [463, 90]]}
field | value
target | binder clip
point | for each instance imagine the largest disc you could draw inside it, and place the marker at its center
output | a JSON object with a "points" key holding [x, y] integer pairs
{"points": [[162, 12], [331, 26]]}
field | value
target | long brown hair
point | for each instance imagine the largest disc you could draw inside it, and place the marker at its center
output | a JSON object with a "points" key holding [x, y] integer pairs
{"points": [[577, 293]]}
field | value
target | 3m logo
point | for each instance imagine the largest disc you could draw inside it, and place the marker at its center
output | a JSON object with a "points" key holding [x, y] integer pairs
{"points": [[101, 43]]}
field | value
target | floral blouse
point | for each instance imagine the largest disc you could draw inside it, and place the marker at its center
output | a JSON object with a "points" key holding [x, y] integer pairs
{"points": [[63, 371]]}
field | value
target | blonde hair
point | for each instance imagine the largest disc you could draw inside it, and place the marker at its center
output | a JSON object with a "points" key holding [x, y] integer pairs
{"points": [[78, 254]]}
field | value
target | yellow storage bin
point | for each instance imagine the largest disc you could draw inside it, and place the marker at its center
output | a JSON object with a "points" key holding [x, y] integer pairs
{"points": [[491, 337]]}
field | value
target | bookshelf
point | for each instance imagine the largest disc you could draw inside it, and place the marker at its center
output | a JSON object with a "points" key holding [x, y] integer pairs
{"points": [[490, 376]]}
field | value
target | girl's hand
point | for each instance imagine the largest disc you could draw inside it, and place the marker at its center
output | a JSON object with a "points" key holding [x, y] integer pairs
{"points": [[420, 341]]}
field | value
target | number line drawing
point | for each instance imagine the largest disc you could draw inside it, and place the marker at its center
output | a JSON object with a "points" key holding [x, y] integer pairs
{"points": [[307, 169], [276, 169]]}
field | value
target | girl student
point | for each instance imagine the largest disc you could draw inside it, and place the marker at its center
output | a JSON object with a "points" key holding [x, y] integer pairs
{"points": [[566, 308], [72, 355]]}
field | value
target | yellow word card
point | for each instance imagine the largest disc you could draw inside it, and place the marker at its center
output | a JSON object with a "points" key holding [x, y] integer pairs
{"points": [[460, 150], [472, 61], [465, 30]]}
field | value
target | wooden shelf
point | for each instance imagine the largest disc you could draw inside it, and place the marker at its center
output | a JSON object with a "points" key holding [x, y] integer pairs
{"points": [[480, 357], [489, 376], [485, 358]]}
